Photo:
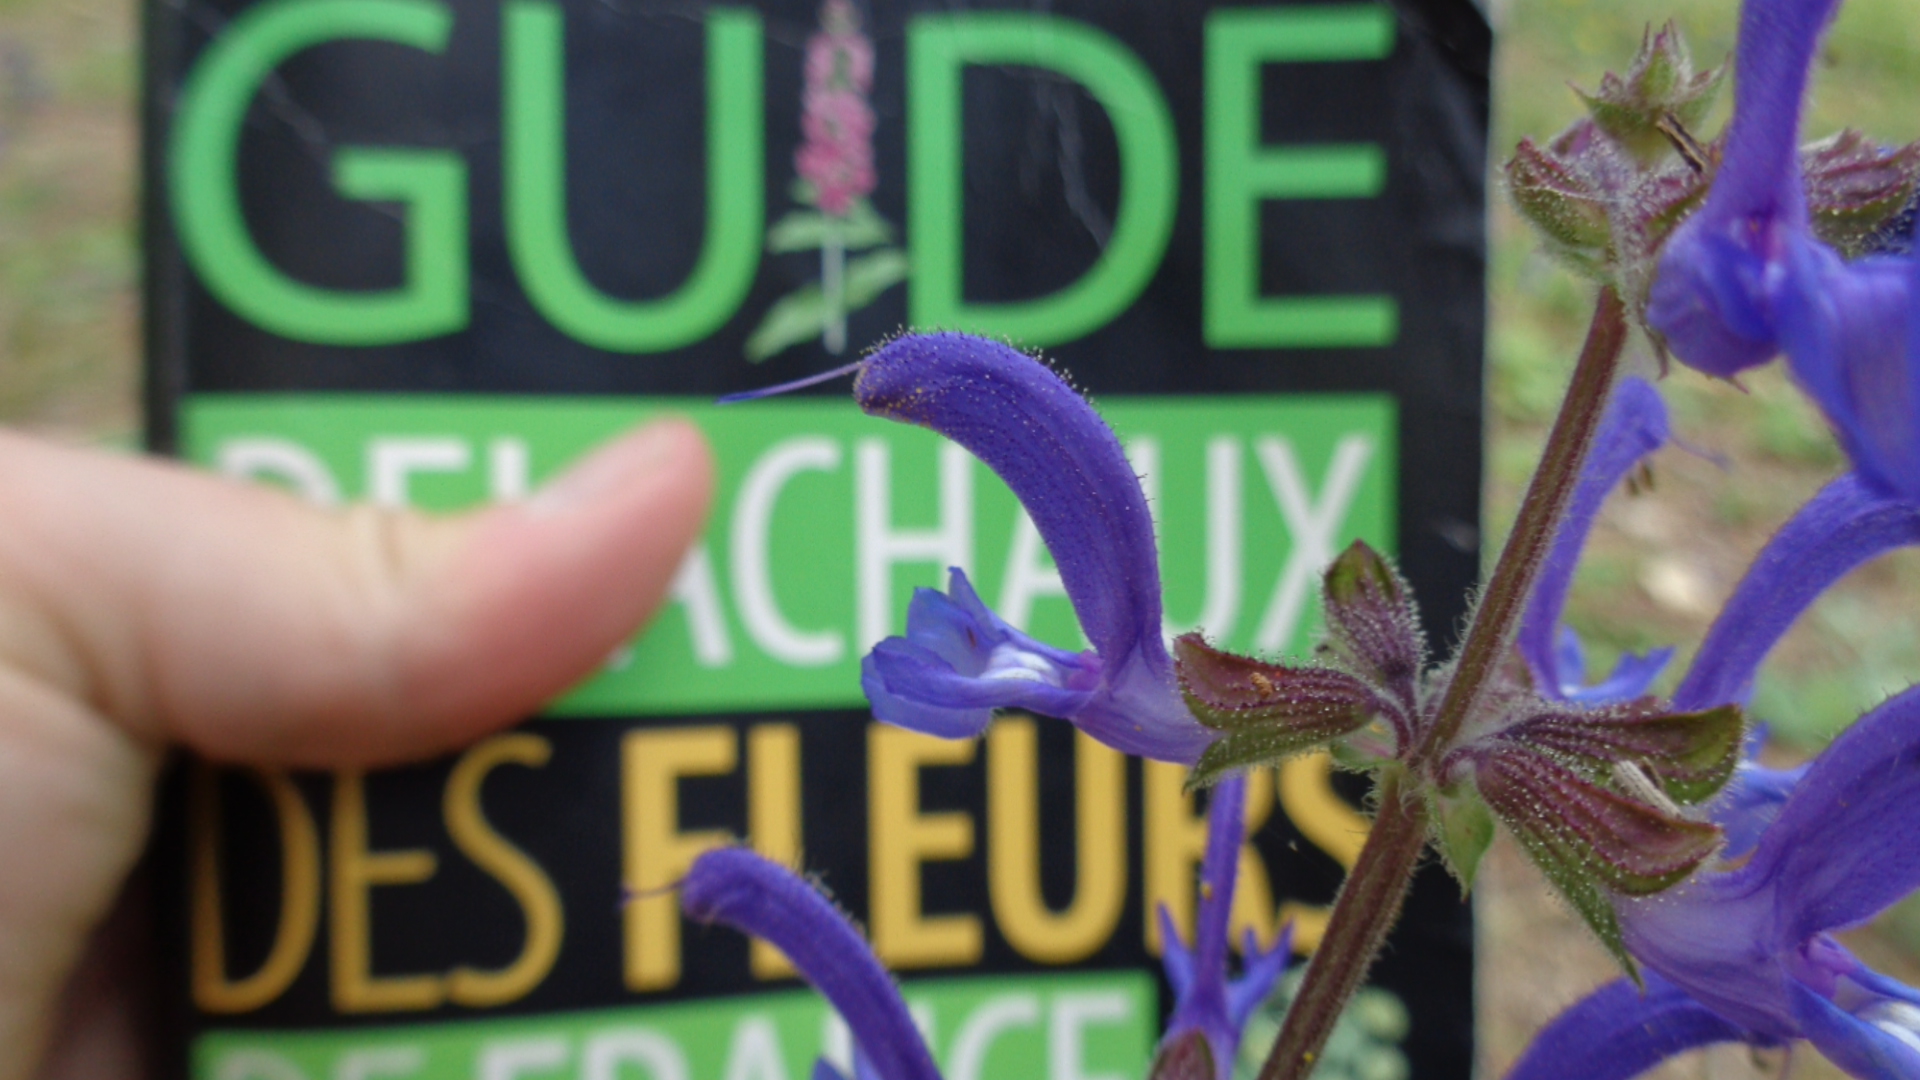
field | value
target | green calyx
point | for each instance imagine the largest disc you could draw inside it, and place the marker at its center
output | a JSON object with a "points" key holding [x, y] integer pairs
{"points": [[1660, 96]]}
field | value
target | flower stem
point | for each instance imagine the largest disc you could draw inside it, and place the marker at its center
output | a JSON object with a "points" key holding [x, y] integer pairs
{"points": [[1369, 902], [1368, 906], [1497, 617], [833, 275]]}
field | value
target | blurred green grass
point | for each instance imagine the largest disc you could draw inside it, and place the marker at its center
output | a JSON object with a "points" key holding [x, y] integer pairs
{"points": [[68, 241]]}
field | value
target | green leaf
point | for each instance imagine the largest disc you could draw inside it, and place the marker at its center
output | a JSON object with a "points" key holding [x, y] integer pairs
{"points": [[795, 317], [1466, 831], [871, 275], [802, 314], [809, 230]]}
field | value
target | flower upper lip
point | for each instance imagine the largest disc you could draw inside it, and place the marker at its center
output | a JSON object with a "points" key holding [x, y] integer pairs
{"points": [[958, 660]]}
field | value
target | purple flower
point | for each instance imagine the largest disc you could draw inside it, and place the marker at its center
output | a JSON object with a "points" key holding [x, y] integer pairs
{"points": [[738, 888], [958, 661], [756, 896], [1635, 425], [1742, 952], [1205, 1001], [1746, 278], [1745, 954]]}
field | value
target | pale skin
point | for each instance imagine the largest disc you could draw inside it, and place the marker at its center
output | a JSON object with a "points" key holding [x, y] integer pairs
{"points": [[143, 606]]}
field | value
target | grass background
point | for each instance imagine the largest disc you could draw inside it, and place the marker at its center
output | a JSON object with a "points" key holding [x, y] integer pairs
{"points": [[1661, 561]]}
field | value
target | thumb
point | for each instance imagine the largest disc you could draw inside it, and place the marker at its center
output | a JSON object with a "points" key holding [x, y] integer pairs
{"points": [[248, 625]]}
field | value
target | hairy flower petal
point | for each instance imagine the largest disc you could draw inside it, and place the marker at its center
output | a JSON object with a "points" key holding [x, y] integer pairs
{"points": [[1061, 460], [1836, 853], [1844, 525], [960, 661], [1207, 1002], [1850, 335], [762, 898], [1634, 426], [1068, 470], [1740, 940], [1617, 1032]]}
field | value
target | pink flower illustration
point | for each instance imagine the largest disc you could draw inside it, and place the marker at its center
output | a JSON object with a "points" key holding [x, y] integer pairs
{"points": [[836, 168], [837, 157]]}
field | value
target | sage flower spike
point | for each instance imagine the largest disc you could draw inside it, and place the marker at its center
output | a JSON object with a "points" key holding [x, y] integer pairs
{"points": [[1206, 1003], [1749, 276], [958, 661], [1745, 954]]}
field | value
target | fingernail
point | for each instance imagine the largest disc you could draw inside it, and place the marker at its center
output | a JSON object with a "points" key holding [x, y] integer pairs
{"points": [[645, 450]]}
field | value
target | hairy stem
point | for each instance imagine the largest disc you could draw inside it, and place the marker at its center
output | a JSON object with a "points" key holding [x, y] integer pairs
{"points": [[1368, 906], [1497, 618], [1369, 902]]}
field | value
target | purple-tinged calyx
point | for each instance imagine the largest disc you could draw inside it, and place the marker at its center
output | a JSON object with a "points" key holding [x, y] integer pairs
{"points": [[759, 897], [1068, 470], [1741, 952], [1607, 193], [1604, 214], [1373, 624], [1563, 201], [1690, 755], [1858, 193], [1206, 1002], [1369, 688], [1592, 840], [1269, 712]]}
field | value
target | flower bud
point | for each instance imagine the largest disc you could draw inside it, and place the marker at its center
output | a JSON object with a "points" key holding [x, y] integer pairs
{"points": [[1659, 89], [1562, 204]]}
